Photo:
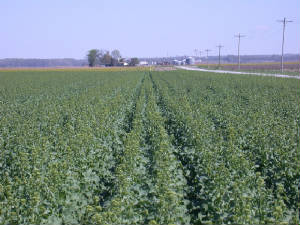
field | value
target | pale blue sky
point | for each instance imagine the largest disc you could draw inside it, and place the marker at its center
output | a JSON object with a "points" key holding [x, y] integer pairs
{"points": [[69, 28]]}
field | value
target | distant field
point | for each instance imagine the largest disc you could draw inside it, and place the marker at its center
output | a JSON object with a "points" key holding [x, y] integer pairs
{"points": [[290, 68], [43, 69], [105, 146]]}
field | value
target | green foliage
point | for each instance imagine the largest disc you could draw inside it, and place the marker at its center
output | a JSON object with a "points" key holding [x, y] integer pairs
{"points": [[239, 144], [93, 57], [95, 147]]}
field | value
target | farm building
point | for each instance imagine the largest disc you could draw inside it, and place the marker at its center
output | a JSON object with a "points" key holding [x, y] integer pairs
{"points": [[143, 63], [190, 61], [176, 62]]}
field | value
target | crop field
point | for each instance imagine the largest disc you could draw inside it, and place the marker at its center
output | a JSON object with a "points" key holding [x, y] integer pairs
{"points": [[140, 147]]}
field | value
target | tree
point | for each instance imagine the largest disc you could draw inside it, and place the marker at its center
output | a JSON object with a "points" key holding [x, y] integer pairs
{"points": [[114, 62], [106, 59], [93, 57], [134, 61], [116, 54]]}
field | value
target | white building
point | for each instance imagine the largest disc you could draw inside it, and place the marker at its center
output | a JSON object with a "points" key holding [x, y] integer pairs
{"points": [[143, 63], [190, 61]]}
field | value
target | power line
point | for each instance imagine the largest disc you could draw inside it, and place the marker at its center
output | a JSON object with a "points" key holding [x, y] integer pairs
{"points": [[239, 37], [284, 22], [220, 46]]}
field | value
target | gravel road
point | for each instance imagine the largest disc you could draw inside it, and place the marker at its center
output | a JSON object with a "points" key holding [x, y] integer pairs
{"points": [[236, 72]]}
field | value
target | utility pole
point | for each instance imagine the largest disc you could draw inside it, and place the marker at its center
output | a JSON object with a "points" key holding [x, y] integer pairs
{"points": [[195, 53], [284, 22], [207, 50], [220, 46], [239, 36], [199, 51]]}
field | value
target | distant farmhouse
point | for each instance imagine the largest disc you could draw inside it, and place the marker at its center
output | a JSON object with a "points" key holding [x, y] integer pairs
{"points": [[143, 63], [186, 61]]}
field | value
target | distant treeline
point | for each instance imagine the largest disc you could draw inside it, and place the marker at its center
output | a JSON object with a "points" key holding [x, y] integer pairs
{"points": [[67, 62]]}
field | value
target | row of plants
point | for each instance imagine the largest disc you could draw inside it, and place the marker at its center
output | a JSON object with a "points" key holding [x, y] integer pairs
{"points": [[168, 147], [129, 199], [228, 182], [59, 142], [150, 187], [169, 182]]}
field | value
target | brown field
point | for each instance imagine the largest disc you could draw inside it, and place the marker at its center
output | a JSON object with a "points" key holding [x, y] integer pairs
{"points": [[264, 67], [75, 69], [164, 68]]}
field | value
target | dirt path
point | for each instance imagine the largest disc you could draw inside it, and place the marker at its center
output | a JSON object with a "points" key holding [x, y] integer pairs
{"points": [[236, 72]]}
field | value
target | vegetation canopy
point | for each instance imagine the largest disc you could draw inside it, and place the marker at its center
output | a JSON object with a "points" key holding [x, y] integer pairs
{"points": [[105, 146]]}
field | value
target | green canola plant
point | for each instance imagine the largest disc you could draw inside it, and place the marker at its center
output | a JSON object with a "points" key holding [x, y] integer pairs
{"points": [[138, 147]]}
